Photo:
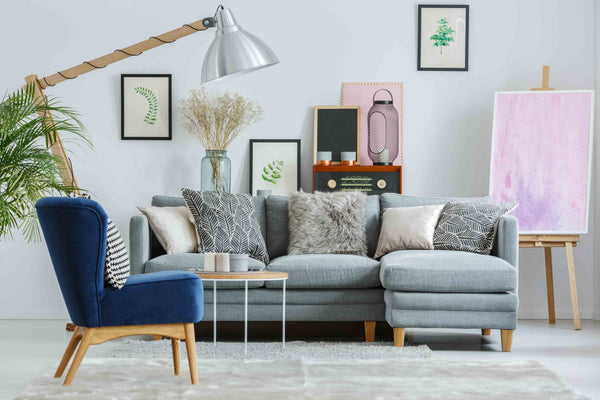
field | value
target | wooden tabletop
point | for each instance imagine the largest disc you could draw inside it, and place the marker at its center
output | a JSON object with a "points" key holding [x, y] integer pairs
{"points": [[251, 275]]}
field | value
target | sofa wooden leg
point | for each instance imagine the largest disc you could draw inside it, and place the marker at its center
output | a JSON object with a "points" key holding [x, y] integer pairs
{"points": [[190, 345], [399, 337], [486, 332], [83, 346], [506, 336], [370, 331], [175, 344], [75, 339]]}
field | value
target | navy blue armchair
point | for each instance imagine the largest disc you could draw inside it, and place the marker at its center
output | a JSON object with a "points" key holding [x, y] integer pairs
{"points": [[160, 304]]}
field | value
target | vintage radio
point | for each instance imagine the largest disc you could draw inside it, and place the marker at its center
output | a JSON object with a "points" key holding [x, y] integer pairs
{"points": [[371, 179]]}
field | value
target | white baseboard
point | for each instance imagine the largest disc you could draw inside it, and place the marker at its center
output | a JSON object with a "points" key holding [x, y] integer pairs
{"points": [[562, 313]]}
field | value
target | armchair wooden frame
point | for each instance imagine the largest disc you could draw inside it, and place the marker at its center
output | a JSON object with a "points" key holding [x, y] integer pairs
{"points": [[84, 337]]}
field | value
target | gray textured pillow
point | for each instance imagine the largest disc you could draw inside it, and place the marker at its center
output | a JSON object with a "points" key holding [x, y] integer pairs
{"points": [[469, 226], [327, 223], [226, 223]]}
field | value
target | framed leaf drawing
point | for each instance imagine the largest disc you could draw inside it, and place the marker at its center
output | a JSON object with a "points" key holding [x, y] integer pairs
{"points": [[274, 165], [146, 107], [443, 38]]}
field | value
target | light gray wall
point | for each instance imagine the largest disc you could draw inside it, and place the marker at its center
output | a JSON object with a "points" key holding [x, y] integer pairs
{"points": [[320, 44]]}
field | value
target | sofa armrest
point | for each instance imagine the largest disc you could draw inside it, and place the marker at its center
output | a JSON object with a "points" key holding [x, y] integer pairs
{"points": [[139, 243], [506, 244]]}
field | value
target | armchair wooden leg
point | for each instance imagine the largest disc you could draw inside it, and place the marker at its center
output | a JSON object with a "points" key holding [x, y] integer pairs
{"points": [[75, 339], [175, 344], [506, 336], [399, 337], [83, 346], [370, 331], [156, 337], [486, 332], [190, 346]]}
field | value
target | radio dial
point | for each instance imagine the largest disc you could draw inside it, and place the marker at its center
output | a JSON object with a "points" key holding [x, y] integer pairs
{"points": [[381, 184], [331, 184]]}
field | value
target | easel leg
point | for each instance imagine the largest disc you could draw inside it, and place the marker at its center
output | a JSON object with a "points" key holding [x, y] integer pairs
{"points": [[549, 285], [573, 285]]}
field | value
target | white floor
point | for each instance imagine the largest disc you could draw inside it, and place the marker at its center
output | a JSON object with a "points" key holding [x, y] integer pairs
{"points": [[28, 348]]}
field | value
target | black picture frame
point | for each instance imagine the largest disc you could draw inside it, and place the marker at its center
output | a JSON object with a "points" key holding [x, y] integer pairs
{"points": [[169, 134], [420, 12], [252, 158]]}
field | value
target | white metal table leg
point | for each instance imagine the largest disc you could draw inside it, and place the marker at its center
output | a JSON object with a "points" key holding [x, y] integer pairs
{"points": [[246, 318], [283, 318], [215, 312]]}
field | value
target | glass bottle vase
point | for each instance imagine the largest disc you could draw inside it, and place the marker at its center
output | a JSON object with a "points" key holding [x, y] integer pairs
{"points": [[216, 171]]}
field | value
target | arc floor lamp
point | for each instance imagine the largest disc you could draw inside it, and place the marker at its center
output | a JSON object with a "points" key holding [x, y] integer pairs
{"points": [[234, 51]]}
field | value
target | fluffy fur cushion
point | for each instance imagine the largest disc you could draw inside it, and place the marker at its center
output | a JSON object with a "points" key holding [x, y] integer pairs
{"points": [[327, 223]]}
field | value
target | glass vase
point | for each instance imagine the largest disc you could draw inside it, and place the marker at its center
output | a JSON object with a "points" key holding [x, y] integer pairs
{"points": [[216, 171]]}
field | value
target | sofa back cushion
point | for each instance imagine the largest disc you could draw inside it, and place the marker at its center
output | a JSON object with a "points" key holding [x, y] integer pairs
{"points": [[156, 248], [278, 227], [394, 200]]}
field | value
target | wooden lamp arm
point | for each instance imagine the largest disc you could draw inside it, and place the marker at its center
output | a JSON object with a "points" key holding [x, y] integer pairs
{"points": [[129, 51]]}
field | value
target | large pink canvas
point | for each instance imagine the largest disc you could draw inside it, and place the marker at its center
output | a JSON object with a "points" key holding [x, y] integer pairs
{"points": [[541, 156], [361, 94]]}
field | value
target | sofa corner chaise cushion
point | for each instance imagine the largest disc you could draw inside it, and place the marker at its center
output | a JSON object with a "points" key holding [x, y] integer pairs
{"points": [[326, 271], [446, 271]]}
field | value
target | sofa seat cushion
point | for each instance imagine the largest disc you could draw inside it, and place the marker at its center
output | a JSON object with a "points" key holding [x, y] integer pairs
{"points": [[159, 298], [326, 271], [446, 271], [187, 261]]}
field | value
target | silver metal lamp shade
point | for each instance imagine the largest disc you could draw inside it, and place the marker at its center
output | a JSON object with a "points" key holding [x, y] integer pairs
{"points": [[234, 51]]}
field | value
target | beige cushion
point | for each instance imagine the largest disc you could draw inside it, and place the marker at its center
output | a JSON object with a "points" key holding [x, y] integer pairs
{"points": [[172, 228], [408, 228]]}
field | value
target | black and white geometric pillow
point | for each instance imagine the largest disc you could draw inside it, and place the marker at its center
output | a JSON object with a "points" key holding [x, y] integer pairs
{"points": [[226, 223], [116, 267], [469, 226]]}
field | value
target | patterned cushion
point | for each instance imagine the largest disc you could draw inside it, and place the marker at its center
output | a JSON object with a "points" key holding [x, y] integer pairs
{"points": [[469, 226], [116, 268], [226, 223]]}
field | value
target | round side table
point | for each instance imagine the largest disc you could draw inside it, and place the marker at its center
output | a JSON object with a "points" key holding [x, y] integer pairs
{"points": [[214, 277]]}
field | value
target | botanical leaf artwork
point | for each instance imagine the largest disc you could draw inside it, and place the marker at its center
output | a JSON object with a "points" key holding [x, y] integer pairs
{"points": [[443, 35], [152, 100], [272, 171]]}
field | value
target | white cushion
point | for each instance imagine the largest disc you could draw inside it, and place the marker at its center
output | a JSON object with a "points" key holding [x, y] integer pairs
{"points": [[172, 228], [408, 228]]}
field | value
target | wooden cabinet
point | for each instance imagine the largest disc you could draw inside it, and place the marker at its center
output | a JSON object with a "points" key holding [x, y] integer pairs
{"points": [[371, 179]]}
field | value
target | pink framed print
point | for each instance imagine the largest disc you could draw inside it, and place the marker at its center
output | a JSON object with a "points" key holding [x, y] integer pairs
{"points": [[541, 157], [381, 120]]}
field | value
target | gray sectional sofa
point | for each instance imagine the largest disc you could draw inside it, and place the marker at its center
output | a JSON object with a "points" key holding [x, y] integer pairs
{"points": [[408, 289]]}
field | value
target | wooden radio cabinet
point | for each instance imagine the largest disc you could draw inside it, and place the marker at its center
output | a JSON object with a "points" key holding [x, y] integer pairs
{"points": [[371, 179]]}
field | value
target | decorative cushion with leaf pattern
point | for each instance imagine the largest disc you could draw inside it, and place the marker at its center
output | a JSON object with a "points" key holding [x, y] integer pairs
{"points": [[469, 226], [226, 223]]}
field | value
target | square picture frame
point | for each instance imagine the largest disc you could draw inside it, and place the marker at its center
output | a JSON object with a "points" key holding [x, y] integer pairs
{"points": [[443, 27], [275, 165], [146, 107], [336, 129]]}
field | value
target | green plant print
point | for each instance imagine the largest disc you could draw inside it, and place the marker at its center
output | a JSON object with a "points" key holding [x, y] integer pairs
{"points": [[272, 171], [443, 36], [152, 100]]}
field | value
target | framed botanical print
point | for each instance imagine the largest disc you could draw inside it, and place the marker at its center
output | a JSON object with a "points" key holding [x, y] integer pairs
{"points": [[146, 107], [274, 165], [443, 38]]}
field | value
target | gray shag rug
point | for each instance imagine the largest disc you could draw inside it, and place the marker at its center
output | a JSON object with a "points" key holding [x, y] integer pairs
{"points": [[152, 378], [131, 348]]}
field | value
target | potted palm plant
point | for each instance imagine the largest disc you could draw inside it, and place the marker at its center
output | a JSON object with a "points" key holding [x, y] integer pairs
{"points": [[28, 170]]}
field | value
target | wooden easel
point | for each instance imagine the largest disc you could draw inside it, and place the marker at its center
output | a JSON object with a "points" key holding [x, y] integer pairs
{"points": [[548, 242]]}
